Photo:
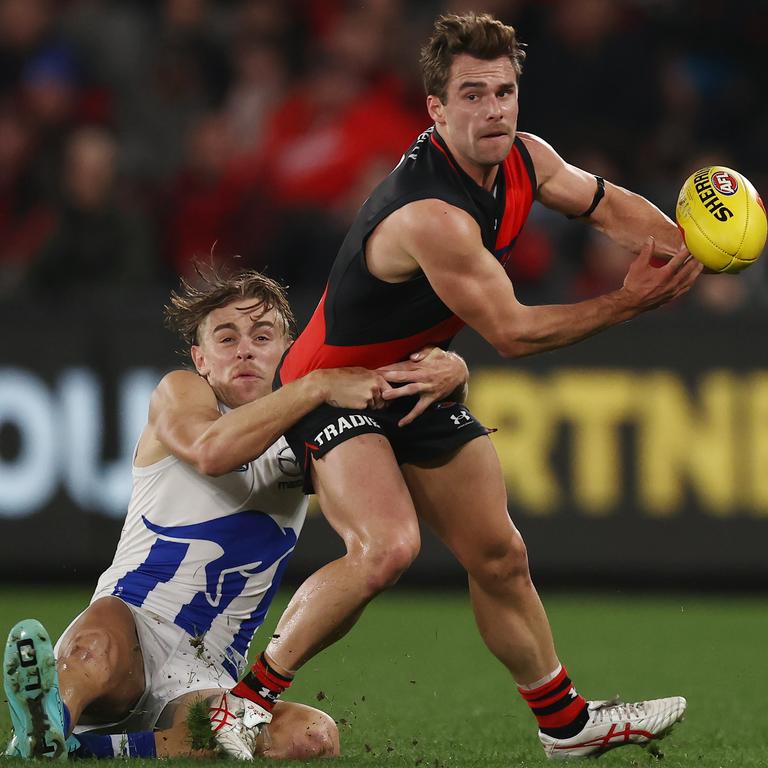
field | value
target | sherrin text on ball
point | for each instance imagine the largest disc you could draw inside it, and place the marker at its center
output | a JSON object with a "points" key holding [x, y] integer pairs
{"points": [[722, 219]]}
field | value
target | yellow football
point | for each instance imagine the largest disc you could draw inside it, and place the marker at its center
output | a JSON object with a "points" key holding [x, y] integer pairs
{"points": [[722, 219]]}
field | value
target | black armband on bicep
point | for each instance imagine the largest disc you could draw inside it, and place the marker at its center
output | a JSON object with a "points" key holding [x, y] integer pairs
{"points": [[599, 194]]}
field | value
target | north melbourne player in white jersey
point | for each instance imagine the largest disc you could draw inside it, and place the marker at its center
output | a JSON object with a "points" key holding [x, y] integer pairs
{"points": [[215, 512], [209, 552]]}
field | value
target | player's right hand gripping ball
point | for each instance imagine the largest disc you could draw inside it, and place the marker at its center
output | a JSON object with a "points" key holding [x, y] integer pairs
{"points": [[722, 219]]}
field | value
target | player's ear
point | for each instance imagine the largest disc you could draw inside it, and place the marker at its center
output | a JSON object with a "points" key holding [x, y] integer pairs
{"points": [[436, 109], [198, 358]]}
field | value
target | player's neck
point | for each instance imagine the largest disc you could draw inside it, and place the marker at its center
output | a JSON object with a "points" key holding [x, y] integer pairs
{"points": [[483, 175]]}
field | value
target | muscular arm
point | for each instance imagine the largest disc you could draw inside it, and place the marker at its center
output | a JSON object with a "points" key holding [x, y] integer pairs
{"points": [[625, 217], [446, 243], [185, 419]]}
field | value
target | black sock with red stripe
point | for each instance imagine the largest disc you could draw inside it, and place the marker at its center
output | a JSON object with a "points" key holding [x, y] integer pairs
{"points": [[560, 711], [262, 685]]}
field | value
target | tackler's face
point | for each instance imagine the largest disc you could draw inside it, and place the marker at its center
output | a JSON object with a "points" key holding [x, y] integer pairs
{"points": [[478, 118], [239, 349]]}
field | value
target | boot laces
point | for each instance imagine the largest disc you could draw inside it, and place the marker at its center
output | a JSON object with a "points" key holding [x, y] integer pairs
{"points": [[615, 711]]}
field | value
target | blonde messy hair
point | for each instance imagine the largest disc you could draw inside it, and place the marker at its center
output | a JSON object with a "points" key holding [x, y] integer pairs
{"points": [[215, 288]]}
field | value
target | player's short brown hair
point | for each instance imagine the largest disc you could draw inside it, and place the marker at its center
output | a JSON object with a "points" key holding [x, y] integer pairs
{"points": [[214, 288], [478, 35]]}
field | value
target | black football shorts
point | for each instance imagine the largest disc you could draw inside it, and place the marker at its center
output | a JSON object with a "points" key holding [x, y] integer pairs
{"points": [[440, 430]]}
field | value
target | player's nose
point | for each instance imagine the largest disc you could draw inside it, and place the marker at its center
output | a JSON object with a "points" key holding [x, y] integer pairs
{"points": [[495, 111], [245, 349]]}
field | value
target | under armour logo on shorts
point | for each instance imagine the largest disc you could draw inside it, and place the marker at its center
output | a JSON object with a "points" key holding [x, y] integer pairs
{"points": [[461, 418]]}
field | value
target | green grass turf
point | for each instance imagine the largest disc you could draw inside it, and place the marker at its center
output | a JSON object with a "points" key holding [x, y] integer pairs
{"points": [[412, 685]]}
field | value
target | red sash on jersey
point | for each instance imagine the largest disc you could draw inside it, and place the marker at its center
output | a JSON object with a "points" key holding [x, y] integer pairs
{"points": [[517, 204]]}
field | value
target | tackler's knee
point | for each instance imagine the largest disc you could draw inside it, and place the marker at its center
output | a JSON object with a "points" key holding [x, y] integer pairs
{"points": [[94, 649], [108, 657], [320, 738]]}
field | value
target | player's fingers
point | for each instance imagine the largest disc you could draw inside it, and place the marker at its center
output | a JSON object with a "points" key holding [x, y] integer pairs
{"points": [[689, 272], [686, 286], [687, 277], [398, 376], [376, 402], [680, 258], [422, 354], [406, 365], [377, 393], [416, 411], [646, 252], [694, 267], [681, 292], [392, 393]]}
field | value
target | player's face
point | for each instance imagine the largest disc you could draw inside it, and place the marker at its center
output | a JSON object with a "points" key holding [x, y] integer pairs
{"points": [[478, 119], [240, 347]]}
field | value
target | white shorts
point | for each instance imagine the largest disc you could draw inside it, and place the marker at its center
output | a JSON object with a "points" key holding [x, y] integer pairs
{"points": [[173, 666]]}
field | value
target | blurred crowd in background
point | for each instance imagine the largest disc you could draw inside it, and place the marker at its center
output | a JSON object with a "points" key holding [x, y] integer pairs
{"points": [[137, 136]]}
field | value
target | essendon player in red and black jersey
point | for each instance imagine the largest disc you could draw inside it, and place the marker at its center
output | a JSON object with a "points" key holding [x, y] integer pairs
{"points": [[363, 320], [425, 255]]}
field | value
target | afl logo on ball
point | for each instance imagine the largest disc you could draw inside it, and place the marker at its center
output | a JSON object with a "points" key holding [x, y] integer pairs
{"points": [[287, 462], [724, 183]]}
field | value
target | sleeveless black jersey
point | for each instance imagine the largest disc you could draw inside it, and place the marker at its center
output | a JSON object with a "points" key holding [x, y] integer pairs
{"points": [[364, 321]]}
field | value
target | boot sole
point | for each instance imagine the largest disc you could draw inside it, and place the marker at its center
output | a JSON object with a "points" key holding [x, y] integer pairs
{"points": [[31, 687]]}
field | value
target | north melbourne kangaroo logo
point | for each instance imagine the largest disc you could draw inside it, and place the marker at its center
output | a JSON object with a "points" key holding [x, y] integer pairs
{"points": [[249, 542]]}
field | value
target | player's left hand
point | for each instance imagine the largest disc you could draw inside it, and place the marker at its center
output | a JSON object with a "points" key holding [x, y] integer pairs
{"points": [[431, 373]]}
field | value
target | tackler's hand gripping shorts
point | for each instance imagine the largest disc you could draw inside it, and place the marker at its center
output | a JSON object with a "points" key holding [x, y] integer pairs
{"points": [[438, 432]]}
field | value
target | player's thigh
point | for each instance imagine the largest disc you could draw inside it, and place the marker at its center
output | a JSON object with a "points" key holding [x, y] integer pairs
{"points": [[362, 492], [464, 500], [104, 639]]}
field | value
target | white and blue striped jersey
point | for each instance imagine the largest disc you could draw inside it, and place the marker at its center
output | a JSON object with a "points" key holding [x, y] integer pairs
{"points": [[207, 553]]}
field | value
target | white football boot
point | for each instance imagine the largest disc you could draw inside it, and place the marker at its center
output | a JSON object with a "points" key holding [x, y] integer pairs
{"points": [[613, 724], [236, 724]]}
